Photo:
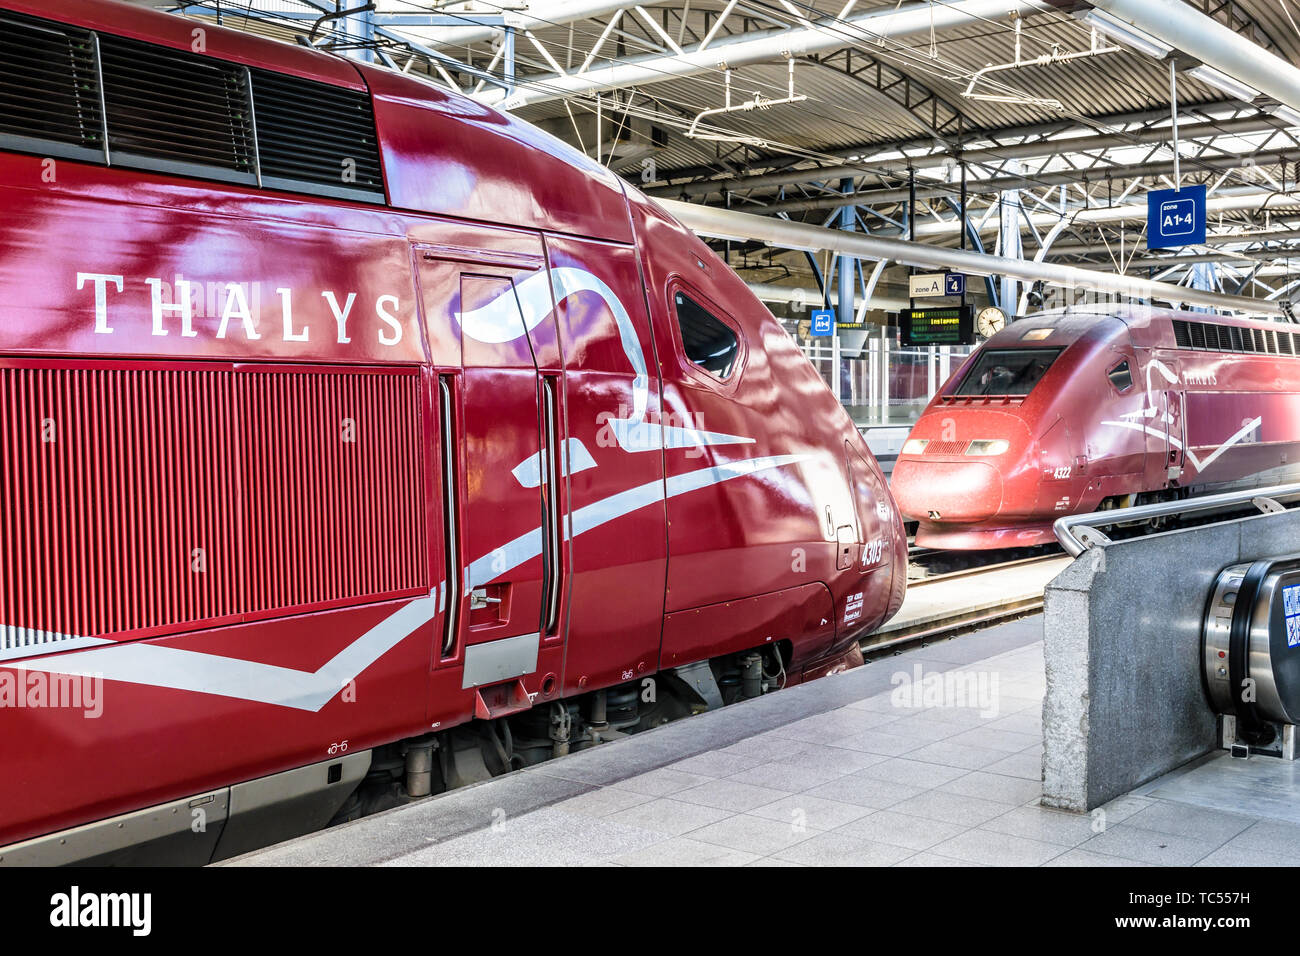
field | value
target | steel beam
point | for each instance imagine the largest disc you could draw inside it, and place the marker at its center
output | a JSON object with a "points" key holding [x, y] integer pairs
{"points": [[988, 155], [802, 298], [1066, 177], [1280, 235], [1232, 202], [770, 46], [537, 15]]}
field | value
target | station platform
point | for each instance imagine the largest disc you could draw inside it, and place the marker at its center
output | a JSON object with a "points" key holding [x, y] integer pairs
{"points": [[929, 757], [885, 442]]}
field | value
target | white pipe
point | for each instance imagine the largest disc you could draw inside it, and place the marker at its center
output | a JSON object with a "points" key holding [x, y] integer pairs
{"points": [[772, 46], [1183, 27], [711, 221]]}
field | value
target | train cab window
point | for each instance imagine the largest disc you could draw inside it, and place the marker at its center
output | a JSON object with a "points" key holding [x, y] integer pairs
{"points": [[708, 342], [1007, 371], [1121, 376]]}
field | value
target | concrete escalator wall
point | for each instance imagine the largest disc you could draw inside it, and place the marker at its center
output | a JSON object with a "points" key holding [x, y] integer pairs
{"points": [[1125, 701]]}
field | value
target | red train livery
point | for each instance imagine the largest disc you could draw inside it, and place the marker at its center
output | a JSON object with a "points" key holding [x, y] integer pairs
{"points": [[339, 411], [1092, 408]]}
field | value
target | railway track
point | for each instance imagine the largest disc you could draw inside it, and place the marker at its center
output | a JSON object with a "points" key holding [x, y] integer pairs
{"points": [[927, 564], [963, 615]]}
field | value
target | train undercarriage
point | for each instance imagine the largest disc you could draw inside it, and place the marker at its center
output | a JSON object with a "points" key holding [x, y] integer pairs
{"points": [[229, 821]]}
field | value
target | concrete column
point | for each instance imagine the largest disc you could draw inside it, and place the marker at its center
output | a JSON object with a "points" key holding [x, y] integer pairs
{"points": [[1125, 701]]}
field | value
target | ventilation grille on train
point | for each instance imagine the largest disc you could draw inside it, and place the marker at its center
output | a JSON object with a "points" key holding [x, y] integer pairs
{"points": [[146, 501], [1234, 338], [310, 132], [49, 90], [181, 113], [332, 465], [946, 448]]}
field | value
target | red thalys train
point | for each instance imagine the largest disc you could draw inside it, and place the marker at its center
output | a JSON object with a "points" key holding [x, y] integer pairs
{"points": [[356, 434], [1091, 408]]}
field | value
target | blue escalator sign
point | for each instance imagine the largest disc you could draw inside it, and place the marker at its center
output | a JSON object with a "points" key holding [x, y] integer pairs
{"points": [[1175, 217]]}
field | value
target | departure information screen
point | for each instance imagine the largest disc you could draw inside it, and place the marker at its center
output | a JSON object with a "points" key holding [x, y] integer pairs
{"points": [[1291, 610], [921, 327]]}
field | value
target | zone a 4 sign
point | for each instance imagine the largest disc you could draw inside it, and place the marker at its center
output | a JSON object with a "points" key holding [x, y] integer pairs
{"points": [[1175, 217]]}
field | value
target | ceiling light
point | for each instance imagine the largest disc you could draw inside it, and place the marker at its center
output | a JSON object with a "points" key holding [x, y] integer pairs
{"points": [[724, 236], [1222, 81], [791, 246], [1127, 34], [1285, 113]]}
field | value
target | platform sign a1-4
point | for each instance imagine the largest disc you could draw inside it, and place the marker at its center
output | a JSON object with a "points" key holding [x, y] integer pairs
{"points": [[823, 322], [1175, 217]]}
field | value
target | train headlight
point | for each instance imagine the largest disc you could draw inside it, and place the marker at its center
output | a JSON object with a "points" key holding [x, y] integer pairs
{"points": [[914, 446], [994, 446]]}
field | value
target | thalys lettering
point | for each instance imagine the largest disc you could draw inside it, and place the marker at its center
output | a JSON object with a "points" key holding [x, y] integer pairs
{"points": [[237, 308]]}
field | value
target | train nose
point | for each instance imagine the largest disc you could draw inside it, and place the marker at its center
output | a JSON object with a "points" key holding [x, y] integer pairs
{"points": [[947, 491], [954, 467]]}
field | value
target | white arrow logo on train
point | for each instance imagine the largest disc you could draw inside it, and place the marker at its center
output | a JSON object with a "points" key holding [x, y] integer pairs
{"points": [[497, 322]]}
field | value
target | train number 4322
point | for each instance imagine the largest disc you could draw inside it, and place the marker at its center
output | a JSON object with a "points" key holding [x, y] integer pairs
{"points": [[1062, 472]]}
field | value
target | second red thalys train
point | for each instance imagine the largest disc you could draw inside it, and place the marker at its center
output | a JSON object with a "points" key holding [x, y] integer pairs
{"points": [[360, 440], [1095, 407]]}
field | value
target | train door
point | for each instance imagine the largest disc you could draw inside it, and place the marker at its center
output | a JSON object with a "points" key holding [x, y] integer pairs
{"points": [[1161, 419], [1175, 436], [489, 319], [615, 469]]}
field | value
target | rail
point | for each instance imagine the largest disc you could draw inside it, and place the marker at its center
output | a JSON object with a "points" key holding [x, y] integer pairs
{"points": [[1077, 533]]}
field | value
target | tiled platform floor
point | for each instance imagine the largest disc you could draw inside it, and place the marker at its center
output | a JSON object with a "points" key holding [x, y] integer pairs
{"points": [[856, 769]]}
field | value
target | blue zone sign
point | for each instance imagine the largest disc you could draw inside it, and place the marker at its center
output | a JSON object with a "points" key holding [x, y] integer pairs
{"points": [[823, 322], [1175, 217]]}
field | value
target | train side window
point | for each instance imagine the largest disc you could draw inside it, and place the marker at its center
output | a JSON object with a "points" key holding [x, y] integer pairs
{"points": [[709, 343], [1121, 376]]}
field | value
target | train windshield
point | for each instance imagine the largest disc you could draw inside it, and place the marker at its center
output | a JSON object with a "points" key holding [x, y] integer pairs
{"points": [[1007, 371]]}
